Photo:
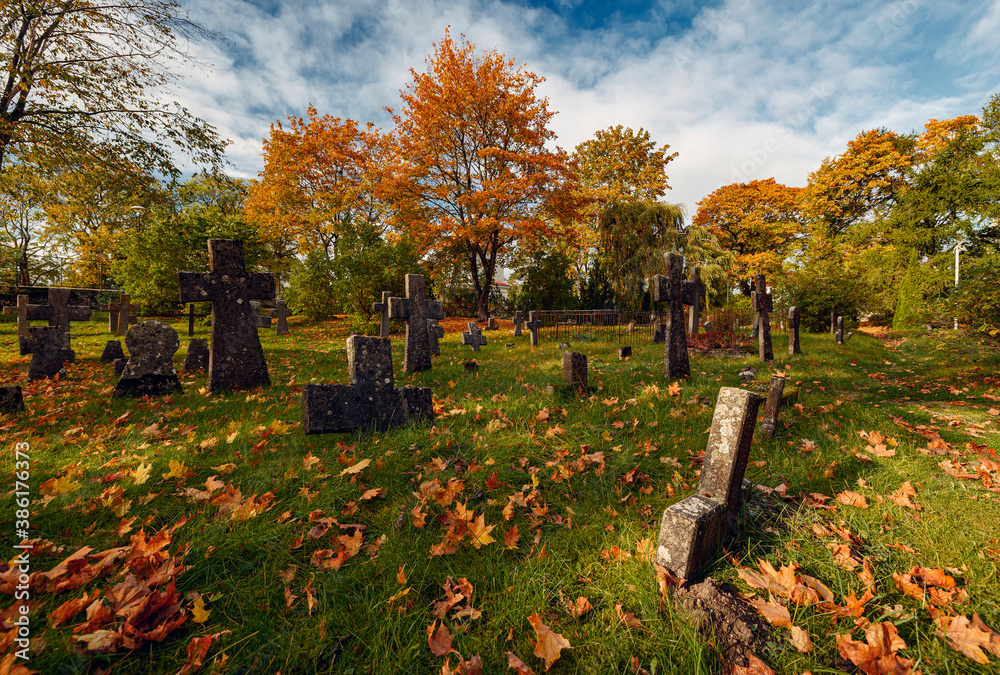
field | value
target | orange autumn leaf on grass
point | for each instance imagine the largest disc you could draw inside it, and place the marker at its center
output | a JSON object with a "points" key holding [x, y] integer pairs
{"points": [[800, 639], [878, 654], [969, 637], [776, 614], [438, 640], [579, 607], [549, 644], [903, 496], [852, 499], [754, 667]]}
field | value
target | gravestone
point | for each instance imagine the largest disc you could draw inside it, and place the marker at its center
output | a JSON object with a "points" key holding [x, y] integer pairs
{"points": [[659, 332], [761, 301], [44, 343], [793, 331], [708, 326], [509, 345], [755, 333], [575, 370], [370, 401], [518, 320], [491, 324], [236, 359], [673, 289], [281, 314], [624, 352], [260, 320], [563, 345], [197, 355], [694, 311], [631, 327], [416, 309], [772, 407], [21, 309], [11, 399], [534, 323], [124, 314], [473, 337], [383, 311], [113, 309], [112, 351], [470, 366], [833, 322], [692, 529], [840, 330], [435, 332], [150, 369], [848, 336], [59, 314]]}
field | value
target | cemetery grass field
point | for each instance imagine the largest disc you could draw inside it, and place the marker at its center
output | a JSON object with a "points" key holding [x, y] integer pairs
{"points": [[535, 499]]}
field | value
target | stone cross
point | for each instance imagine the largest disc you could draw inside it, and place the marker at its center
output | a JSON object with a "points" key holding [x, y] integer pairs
{"points": [[197, 355], [44, 343], [236, 359], [793, 331], [22, 309], [840, 330], [518, 320], [473, 337], [262, 320], [370, 401], [692, 529], [772, 407], [150, 369], [383, 309], [533, 325], [280, 313], [761, 301], [11, 399], [673, 289], [575, 370], [124, 314], [694, 312], [434, 333], [113, 307], [416, 309], [59, 314]]}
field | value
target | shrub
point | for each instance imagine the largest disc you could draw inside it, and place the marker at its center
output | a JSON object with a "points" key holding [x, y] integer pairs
{"points": [[311, 287]]}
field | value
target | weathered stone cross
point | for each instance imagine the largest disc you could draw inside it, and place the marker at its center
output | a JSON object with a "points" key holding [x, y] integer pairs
{"points": [[694, 311], [533, 325], [474, 338], [124, 314], [761, 301], [236, 360], [416, 309], [371, 400], [673, 289], [21, 310], [383, 309], [280, 314], [518, 321], [434, 333], [772, 407], [59, 314], [692, 529]]}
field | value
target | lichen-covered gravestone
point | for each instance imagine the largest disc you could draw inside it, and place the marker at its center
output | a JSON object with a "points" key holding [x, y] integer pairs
{"points": [[112, 351], [793, 331], [11, 399], [659, 332], [236, 359], [492, 324], [518, 321], [434, 333], [44, 343], [197, 355], [692, 529], [150, 368], [370, 401], [772, 407], [473, 337], [416, 309], [58, 313], [761, 301], [575, 370], [280, 314], [674, 290]]}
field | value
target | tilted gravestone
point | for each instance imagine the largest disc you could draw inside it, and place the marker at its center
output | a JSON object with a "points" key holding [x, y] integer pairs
{"points": [[112, 351], [261, 320], [518, 321], [761, 301], [44, 343], [840, 330], [11, 399], [473, 337], [150, 369], [694, 311], [534, 323], [416, 309], [112, 309], [383, 311], [674, 290], [772, 407], [370, 401], [280, 314], [575, 370], [236, 358], [793, 331], [435, 332], [631, 327], [197, 355], [691, 530]]}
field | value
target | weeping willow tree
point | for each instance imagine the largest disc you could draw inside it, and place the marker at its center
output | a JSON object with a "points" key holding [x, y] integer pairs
{"points": [[634, 238]]}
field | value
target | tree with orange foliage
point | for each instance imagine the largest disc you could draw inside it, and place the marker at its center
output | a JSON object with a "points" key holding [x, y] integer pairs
{"points": [[471, 173], [318, 177], [757, 221]]}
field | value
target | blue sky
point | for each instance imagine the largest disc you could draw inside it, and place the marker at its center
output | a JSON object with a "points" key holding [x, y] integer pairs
{"points": [[742, 89]]}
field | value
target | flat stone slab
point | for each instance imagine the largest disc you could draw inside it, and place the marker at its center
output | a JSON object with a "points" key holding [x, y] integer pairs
{"points": [[150, 368]]}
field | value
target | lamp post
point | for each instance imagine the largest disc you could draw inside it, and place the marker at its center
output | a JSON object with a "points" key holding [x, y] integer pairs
{"points": [[959, 248]]}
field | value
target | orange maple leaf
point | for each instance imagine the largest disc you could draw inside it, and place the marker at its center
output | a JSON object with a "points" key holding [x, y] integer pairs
{"points": [[549, 644]]}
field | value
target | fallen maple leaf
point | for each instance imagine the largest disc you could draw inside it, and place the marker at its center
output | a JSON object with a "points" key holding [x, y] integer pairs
{"points": [[876, 656], [674, 389], [800, 639], [438, 640], [510, 538], [517, 664], [775, 613], [549, 644], [198, 613], [355, 468], [902, 497], [754, 667], [969, 637], [197, 650], [579, 607], [852, 499], [627, 618]]}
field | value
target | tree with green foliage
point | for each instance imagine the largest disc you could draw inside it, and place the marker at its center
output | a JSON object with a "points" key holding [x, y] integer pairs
{"points": [[911, 294], [542, 281]]}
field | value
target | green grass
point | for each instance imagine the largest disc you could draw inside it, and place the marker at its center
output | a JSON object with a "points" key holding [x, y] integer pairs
{"points": [[490, 422]]}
